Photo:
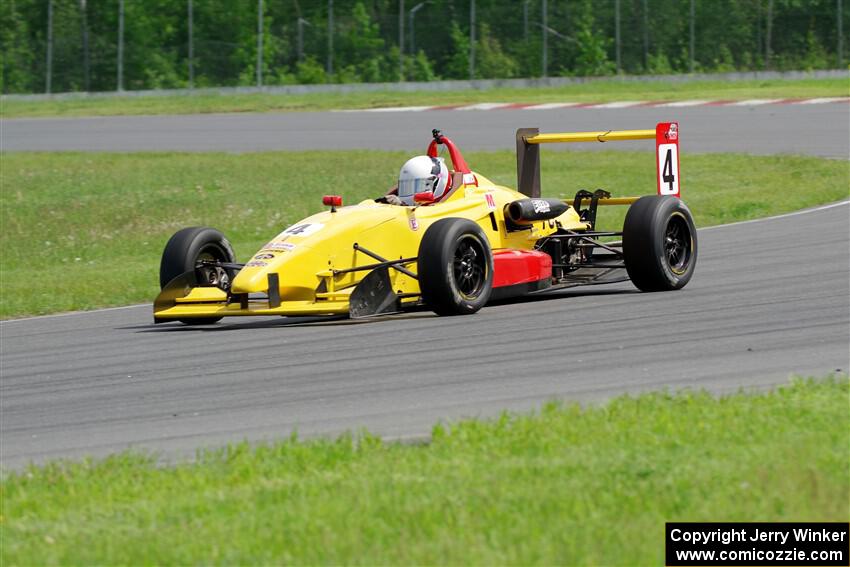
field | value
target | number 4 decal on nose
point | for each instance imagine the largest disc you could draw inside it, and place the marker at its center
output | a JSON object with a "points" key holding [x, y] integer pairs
{"points": [[667, 157]]}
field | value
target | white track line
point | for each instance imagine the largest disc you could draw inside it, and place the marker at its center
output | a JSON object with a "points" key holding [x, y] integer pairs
{"points": [[681, 103], [620, 104], [603, 105], [485, 106], [148, 305], [551, 105], [755, 102], [397, 109], [823, 100], [782, 216]]}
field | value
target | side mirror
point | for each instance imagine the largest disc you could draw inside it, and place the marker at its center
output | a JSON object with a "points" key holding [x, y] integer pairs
{"points": [[423, 198]]}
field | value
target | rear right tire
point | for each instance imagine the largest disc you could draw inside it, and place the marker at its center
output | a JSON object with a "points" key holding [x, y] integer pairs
{"points": [[659, 243]]}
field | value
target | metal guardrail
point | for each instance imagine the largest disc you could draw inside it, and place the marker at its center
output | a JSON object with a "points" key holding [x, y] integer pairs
{"points": [[438, 86]]}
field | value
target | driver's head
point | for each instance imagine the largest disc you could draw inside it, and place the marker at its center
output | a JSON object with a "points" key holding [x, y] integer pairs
{"points": [[420, 175]]}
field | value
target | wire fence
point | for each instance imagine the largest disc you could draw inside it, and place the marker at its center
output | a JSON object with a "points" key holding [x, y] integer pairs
{"points": [[108, 45]]}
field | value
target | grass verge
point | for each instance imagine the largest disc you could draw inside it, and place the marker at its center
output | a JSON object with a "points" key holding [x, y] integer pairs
{"points": [[80, 231], [594, 91], [563, 486]]}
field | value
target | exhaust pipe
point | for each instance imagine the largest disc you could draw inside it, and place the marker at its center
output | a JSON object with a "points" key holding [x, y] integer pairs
{"points": [[527, 211]]}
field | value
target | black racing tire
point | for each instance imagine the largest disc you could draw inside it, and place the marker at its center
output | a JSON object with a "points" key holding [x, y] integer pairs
{"points": [[183, 251], [455, 267], [659, 243]]}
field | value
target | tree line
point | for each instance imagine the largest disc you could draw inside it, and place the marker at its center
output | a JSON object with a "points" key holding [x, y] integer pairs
{"points": [[104, 45]]}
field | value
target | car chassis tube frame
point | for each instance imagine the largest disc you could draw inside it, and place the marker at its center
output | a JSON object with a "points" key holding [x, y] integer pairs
{"points": [[383, 263], [587, 242]]}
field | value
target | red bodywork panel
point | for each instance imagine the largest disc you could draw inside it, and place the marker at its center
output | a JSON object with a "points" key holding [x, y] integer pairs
{"points": [[513, 267]]}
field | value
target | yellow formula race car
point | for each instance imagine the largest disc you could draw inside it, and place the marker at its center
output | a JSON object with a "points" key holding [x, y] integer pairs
{"points": [[446, 239]]}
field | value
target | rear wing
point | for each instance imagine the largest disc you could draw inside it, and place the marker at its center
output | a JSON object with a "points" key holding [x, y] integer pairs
{"points": [[666, 135]]}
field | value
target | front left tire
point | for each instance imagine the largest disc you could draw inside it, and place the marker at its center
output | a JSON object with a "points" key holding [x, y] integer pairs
{"points": [[455, 267], [190, 246]]}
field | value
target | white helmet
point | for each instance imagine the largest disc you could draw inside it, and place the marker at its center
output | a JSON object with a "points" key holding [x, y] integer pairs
{"points": [[422, 174]]}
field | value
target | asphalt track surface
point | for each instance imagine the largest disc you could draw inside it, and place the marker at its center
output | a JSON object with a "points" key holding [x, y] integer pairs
{"points": [[819, 130], [769, 299]]}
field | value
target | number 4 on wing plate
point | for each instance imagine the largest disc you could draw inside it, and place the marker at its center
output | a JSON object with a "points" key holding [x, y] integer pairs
{"points": [[667, 155], [668, 165]]}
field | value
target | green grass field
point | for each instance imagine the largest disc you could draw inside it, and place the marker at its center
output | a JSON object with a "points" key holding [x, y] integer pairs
{"points": [[594, 91], [80, 231], [563, 486]]}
